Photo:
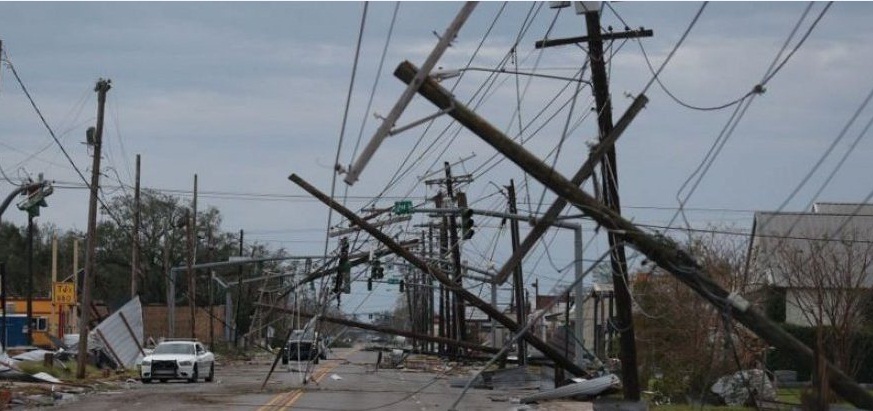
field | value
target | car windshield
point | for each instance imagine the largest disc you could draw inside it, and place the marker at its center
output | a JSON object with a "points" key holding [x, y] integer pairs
{"points": [[174, 349]]}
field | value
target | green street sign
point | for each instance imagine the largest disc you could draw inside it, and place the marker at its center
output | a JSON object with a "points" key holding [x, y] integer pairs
{"points": [[402, 207]]}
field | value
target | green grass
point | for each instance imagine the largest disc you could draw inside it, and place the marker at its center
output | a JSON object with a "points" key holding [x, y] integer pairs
{"points": [[689, 407]]}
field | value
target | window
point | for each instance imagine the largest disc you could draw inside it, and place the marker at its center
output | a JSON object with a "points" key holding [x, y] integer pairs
{"points": [[39, 323]]}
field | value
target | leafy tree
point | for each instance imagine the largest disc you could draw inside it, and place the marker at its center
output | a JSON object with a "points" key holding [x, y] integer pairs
{"points": [[684, 343]]}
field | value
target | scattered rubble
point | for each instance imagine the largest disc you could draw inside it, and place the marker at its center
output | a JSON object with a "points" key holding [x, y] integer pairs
{"points": [[744, 387]]}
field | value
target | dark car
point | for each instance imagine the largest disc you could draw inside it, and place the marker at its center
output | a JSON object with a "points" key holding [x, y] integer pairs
{"points": [[303, 347]]}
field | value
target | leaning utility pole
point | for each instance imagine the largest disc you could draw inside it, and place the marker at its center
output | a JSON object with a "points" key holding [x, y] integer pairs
{"points": [[134, 259], [101, 88], [518, 276], [659, 250]]}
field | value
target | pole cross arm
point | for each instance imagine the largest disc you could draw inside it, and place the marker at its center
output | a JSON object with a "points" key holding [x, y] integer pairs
{"points": [[659, 250], [385, 128], [605, 36], [443, 278]]}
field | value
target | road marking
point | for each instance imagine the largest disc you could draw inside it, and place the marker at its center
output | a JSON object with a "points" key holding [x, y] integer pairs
{"points": [[285, 400], [299, 392]]}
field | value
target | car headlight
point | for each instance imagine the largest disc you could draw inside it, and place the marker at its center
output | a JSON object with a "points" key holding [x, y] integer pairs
{"points": [[185, 363], [147, 363]]}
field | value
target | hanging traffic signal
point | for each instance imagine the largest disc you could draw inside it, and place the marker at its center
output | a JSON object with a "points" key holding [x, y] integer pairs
{"points": [[402, 285], [467, 224], [344, 269], [369, 284], [374, 269], [35, 197]]}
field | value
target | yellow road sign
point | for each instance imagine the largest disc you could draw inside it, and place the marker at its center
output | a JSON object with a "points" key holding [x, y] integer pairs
{"points": [[64, 293]]}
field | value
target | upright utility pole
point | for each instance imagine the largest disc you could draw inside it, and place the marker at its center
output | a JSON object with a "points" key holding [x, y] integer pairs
{"points": [[3, 300], [446, 329], [518, 276], [101, 88], [53, 327], [171, 285], [239, 290], [211, 279], [460, 324], [74, 324], [192, 254], [30, 322], [134, 259], [618, 260]]}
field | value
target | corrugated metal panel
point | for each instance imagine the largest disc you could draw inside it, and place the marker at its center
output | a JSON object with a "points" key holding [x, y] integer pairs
{"points": [[124, 344]]}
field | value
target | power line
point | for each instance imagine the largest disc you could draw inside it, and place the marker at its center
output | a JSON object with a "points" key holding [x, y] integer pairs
{"points": [[345, 119]]}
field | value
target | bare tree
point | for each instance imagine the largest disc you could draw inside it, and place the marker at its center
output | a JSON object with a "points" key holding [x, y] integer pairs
{"points": [[826, 283]]}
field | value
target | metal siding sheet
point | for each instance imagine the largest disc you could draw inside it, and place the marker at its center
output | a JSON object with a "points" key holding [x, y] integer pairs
{"points": [[118, 336]]}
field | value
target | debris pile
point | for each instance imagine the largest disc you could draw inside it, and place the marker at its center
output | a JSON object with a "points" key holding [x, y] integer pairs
{"points": [[744, 388]]}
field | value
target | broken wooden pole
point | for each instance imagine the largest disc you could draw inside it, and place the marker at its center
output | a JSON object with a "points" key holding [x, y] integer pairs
{"points": [[660, 250], [547, 350], [387, 330]]}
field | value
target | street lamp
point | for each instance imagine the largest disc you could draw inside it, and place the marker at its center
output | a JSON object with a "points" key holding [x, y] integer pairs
{"points": [[441, 75]]}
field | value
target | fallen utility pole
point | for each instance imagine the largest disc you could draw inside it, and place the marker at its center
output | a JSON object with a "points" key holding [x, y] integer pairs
{"points": [[660, 250], [387, 330], [442, 277]]}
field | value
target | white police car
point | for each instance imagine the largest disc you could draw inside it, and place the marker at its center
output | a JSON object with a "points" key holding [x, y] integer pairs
{"points": [[173, 360]]}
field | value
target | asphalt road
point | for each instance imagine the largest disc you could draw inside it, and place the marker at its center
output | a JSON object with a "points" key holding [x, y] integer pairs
{"points": [[346, 381]]}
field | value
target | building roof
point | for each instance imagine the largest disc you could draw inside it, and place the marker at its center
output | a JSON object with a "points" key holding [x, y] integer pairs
{"points": [[843, 208], [833, 230]]}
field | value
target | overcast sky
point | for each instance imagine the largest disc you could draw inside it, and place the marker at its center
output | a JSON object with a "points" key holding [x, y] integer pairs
{"points": [[244, 94]]}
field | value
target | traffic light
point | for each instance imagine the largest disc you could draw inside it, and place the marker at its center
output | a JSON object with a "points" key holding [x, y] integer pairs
{"points": [[344, 269], [369, 284], [467, 224], [402, 285], [35, 197], [376, 270]]}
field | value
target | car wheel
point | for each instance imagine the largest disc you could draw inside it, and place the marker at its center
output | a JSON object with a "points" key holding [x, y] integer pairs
{"points": [[146, 380], [194, 375], [211, 376]]}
